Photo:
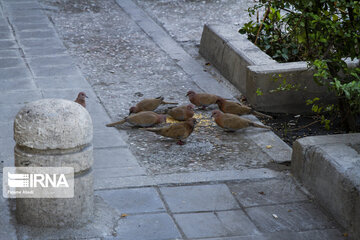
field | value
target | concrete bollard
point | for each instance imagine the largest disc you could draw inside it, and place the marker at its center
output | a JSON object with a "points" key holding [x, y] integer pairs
{"points": [[56, 133]]}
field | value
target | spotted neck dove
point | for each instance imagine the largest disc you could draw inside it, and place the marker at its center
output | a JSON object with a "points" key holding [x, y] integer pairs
{"points": [[182, 113], [202, 99], [231, 122], [141, 119], [237, 108], [177, 131], [148, 105], [81, 99]]}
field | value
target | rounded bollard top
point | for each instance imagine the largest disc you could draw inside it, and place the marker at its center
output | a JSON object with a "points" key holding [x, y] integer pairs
{"points": [[53, 124]]}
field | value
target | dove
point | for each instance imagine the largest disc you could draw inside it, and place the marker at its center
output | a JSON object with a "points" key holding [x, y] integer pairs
{"points": [[148, 105], [182, 113], [231, 122], [202, 99], [141, 119], [178, 131], [237, 108], [81, 99]]}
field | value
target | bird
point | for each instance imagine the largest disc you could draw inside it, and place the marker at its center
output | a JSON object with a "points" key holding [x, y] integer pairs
{"points": [[148, 105], [141, 119], [237, 108], [231, 122], [182, 113], [202, 99], [81, 99], [177, 131]]}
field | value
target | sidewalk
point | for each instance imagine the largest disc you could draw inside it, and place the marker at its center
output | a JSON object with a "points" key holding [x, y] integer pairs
{"points": [[219, 187]]}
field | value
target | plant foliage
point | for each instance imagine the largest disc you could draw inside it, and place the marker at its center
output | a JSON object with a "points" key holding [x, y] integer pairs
{"points": [[325, 33]]}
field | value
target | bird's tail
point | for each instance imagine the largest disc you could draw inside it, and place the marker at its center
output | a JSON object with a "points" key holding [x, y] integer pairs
{"points": [[116, 123], [161, 98], [259, 126], [258, 114]]}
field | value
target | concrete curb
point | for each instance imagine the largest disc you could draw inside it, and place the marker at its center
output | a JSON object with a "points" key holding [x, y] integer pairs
{"points": [[329, 167], [249, 69]]}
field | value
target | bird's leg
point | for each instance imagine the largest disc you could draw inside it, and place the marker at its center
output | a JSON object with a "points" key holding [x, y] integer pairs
{"points": [[180, 142]]}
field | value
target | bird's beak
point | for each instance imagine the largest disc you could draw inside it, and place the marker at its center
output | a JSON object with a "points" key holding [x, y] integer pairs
{"points": [[86, 96]]}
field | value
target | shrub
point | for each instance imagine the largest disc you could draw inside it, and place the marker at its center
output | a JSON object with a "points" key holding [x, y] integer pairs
{"points": [[322, 32]]}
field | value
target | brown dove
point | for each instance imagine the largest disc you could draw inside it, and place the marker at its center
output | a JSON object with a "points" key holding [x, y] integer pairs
{"points": [[237, 108], [148, 105], [202, 99], [141, 119], [178, 131], [231, 122], [182, 113], [81, 99]]}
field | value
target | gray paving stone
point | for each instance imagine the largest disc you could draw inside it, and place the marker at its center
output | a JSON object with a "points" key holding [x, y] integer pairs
{"points": [[147, 227], [10, 53], [8, 112], [123, 182], [105, 137], [6, 35], [22, 5], [22, 27], [17, 83], [199, 198], [30, 20], [44, 51], [291, 217], [50, 61], [7, 44], [4, 28], [41, 43], [119, 172], [266, 192], [19, 96], [63, 82], [11, 73], [216, 224], [25, 12], [7, 230], [114, 157], [49, 71], [11, 62], [135, 200], [36, 34], [328, 234], [6, 130]]}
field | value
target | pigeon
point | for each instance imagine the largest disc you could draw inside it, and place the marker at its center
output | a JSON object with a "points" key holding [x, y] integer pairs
{"points": [[141, 119], [81, 99], [182, 113], [148, 105], [202, 99], [177, 131], [237, 108], [231, 122]]}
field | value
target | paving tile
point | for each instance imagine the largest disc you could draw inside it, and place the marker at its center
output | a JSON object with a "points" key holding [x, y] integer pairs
{"points": [[64, 82], [118, 172], [6, 130], [135, 200], [41, 43], [36, 34], [114, 157], [106, 137], [11, 62], [30, 20], [6, 35], [16, 83], [291, 217], [9, 53], [49, 71], [22, 5], [44, 51], [266, 192], [50, 61], [19, 96], [8, 112], [147, 227], [22, 27], [11, 73], [199, 198], [8, 44], [4, 28], [216, 224]]}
